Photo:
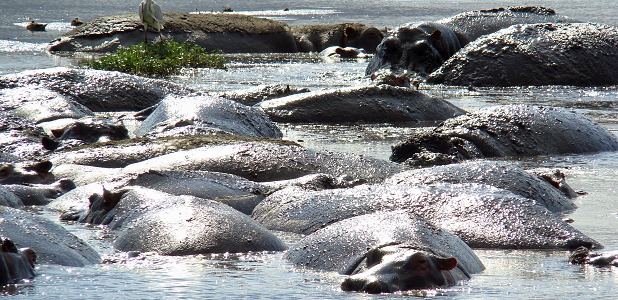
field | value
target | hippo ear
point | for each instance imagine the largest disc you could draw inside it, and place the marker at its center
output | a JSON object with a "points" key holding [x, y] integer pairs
{"points": [[436, 35], [57, 132], [447, 264], [374, 257], [6, 170], [350, 32]]}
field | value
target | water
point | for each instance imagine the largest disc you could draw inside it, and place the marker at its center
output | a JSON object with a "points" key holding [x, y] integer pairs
{"points": [[509, 274]]}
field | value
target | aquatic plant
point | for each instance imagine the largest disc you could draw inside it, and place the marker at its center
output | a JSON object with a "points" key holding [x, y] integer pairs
{"points": [[158, 59]]}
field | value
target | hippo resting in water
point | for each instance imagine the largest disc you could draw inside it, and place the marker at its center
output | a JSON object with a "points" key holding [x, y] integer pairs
{"points": [[546, 191], [15, 264], [510, 130], [387, 252], [421, 48], [97, 90], [206, 115], [316, 38], [481, 215], [225, 32], [53, 243], [581, 54], [373, 103], [149, 220]]}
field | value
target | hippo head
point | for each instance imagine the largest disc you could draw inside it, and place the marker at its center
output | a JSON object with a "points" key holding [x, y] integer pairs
{"points": [[15, 264], [102, 207], [396, 268], [417, 48], [367, 38]]}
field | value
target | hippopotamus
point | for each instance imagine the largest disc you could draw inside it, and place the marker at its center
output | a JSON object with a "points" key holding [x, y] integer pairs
{"points": [[422, 47], [509, 130], [99, 91], [498, 174], [26, 172], [270, 160], [84, 131], [20, 140], [580, 54], [206, 115], [53, 243], [230, 33], [316, 38], [584, 256], [37, 194], [15, 264], [260, 93], [386, 252], [373, 103], [149, 220], [482, 216]]}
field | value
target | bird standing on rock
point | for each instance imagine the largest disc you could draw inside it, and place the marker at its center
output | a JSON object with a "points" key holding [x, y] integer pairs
{"points": [[150, 14]]}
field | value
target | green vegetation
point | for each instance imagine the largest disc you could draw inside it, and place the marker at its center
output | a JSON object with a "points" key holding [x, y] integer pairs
{"points": [[159, 59]]}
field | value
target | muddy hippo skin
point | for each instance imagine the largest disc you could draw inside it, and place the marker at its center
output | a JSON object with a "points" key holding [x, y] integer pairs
{"points": [[315, 38], [483, 216], [97, 90], [373, 103], [584, 256], [15, 264], [421, 48], [386, 252], [53, 243], [270, 160], [510, 130], [229, 33], [498, 174], [149, 220], [580, 54], [206, 115], [261, 93]]}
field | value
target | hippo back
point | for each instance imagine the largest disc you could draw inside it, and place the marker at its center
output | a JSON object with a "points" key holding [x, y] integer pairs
{"points": [[342, 246]]}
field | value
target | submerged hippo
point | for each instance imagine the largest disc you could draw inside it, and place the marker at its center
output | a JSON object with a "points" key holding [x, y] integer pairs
{"points": [[316, 38], [422, 47], [206, 115], [261, 93], [373, 103], [270, 160], [581, 54], [25, 173], [481, 215], [386, 252], [39, 194], [584, 256], [226, 32], [15, 264], [149, 220], [53, 243], [97, 90], [510, 130], [500, 175]]}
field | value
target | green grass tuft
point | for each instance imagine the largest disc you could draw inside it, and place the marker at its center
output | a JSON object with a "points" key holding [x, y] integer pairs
{"points": [[159, 59]]}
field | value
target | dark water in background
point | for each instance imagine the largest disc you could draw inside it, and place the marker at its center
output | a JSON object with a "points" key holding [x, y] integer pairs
{"points": [[509, 274]]}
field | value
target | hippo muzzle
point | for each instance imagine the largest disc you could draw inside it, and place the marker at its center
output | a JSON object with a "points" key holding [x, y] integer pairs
{"points": [[394, 269]]}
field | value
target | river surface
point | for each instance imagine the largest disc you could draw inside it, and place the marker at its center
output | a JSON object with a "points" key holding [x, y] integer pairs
{"points": [[508, 274]]}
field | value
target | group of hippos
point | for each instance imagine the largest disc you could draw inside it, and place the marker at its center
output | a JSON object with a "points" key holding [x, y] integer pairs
{"points": [[180, 171]]}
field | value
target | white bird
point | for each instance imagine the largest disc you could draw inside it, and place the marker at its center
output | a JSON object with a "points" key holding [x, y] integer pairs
{"points": [[150, 14]]}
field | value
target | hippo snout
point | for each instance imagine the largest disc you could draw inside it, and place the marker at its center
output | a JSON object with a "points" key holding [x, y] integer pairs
{"points": [[352, 284]]}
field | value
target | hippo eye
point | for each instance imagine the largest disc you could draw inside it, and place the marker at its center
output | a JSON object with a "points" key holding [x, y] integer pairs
{"points": [[422, 49]]}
